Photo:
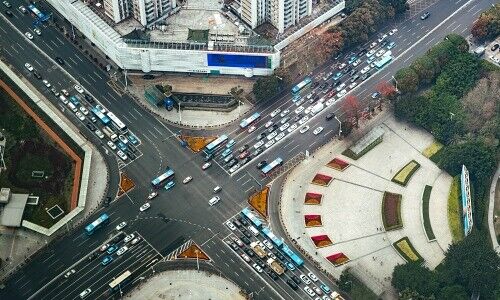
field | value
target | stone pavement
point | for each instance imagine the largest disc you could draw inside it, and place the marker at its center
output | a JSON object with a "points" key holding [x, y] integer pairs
{"points": [[186, 284], [351, 205], [493, 211]]}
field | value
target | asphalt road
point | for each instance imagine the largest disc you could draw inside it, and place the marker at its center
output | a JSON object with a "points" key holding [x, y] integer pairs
{"points": [[182, 213]]}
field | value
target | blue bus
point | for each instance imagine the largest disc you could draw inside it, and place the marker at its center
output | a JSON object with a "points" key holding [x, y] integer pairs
{"points": [[38, 14], [101, 221], [248, 121], [214, 145], [383, 60], [163, 178], [247, 213], [99, 115], [294, 257], [269, 167], [301, 85]]}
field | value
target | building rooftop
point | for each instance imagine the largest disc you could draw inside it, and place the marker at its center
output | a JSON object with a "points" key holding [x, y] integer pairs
{"points": [[12, 213]]}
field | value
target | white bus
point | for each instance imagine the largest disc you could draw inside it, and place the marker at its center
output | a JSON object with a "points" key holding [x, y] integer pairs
{"points": [[117, 123]]}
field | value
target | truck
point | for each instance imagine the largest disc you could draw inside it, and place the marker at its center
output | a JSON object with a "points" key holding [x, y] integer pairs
{"points": [[317, 108], [110, 133], [277, 268], [258, 249]]}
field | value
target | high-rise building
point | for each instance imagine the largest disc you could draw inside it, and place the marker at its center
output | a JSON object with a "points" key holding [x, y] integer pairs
{"points": [[144, 11], [280, 13]]}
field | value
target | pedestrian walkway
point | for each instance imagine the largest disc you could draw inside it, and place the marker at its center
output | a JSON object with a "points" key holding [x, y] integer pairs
{"points": [[493, 211], [186, 284]]}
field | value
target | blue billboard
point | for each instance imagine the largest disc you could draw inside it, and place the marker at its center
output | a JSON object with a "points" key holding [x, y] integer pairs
{"points": [[237, 61]]}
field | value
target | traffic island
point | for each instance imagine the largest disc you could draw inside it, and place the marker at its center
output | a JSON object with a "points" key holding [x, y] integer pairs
{"points": [[126, 184], [193, 252], [197, 143], [259, 201]]}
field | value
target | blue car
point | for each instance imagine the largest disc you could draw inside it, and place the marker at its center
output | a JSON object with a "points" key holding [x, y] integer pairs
{"points": [[112, 249], [122, 146], [230, 143], [227, 152], [133, 139], [391, 45], [352, 59], [169, 185], [106, 260], [290, 266], [370, 60], [337, 76], [325, 289]]}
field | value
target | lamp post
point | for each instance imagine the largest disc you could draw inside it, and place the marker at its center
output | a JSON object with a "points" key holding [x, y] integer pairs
{"points": [[340, 125], [395, 81], [126, 82], [197, 262], [180, 116], [239, 107]]}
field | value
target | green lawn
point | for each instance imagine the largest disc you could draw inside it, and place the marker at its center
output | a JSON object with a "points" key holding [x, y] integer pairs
{"points": [[361, 291], [455, 211]]}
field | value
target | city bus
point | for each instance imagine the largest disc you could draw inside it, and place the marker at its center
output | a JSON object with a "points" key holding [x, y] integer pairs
{"points": [[35, 11], [101, 221], [269, 167], [214, 145], [248, 121], [99, 115], [385, 59], [301, 85], [117, 123], [119, 282], [163, 178]]}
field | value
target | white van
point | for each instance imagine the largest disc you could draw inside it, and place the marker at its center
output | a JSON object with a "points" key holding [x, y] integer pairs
{"points": [[85, 293], [217, 189], [72, 107], [253, 230]]}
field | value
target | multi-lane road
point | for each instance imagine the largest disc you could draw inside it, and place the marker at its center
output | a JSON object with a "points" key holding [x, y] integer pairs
{"points": [[181, 213]]}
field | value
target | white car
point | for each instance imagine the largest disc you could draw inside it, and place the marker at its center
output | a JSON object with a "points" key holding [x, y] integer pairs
{"points": [[341, 94], [303, 120], [393, 31], [123, 139], [230, 225], [63, 99], [144, 207], [330, 101], [275, 112], [152, 195], [252, 128], [284, 127], [268, 124], [122, 155], [342, 66], [299, 109], [29, 35], [37, 31], [279, 136], [268, 245], [312, 276], [84, 110], [257, 268], [370, 53], [304, 129], [269, 143], [245, 257], [382, 38], [309, 291], [234, 168], [308, 110], [128, 238], [99, 134], [46, 83], [121, 226], [187, 179], [258, 144], [80, 116], [365, 69], [340, 87], [79, 89], [380, 53], [284, 113], [353, 85], [65, 92], [372, 45], [122, 250], [214, 200], [29, 67], [318, 130], [272, 135], [111, 145], [69, 273], [293, 127], [135, 241], [206, 165], [356, 63], [305, 279]]}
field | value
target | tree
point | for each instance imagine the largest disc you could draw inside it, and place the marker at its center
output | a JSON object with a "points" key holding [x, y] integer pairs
{"points": [[473, 264], [425, 68], [415, 277], [351, 108], [408, 80], [456, 292], [409, 107], [345, 281], [487, 26], [266, 88], [386, 89]]}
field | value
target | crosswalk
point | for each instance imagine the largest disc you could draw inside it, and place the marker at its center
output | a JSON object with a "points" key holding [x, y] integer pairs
{"points": [[173, 254]]}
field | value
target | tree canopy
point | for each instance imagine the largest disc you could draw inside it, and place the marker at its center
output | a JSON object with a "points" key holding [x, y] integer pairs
{"points": [[266, 88], [487, 26]]}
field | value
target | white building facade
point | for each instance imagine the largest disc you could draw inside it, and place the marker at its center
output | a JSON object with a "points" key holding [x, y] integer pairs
{"points": [[144, 11]]}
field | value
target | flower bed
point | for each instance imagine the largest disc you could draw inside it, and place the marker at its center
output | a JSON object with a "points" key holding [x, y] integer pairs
{"points": [[313, 220], [321, 179], [321, 241], [338, 259], [338, 164], [434, 148], [259, 201], [126, 184], [313, 199], [406, 250], [197, 143], [425, 213], [391, 211], [193, 252], [403, 176]]}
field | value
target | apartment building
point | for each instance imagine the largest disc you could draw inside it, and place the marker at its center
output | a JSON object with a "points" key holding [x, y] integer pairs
{"points": [[144, 11]]}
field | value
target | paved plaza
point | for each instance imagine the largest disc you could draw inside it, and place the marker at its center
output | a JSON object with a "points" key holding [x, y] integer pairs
{"points": [[351, 205]]}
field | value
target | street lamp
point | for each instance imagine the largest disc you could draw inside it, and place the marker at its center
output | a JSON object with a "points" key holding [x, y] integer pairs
{"points": [[239, 107], [395, 81], [180, 116], [340, 125]]}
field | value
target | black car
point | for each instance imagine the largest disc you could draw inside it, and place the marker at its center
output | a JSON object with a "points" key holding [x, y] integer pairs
{"points": [[354, 78], [118, 238], [131, 155], [361, 53], [89, 98], [37, 75], [272, 128], [260, 263], [272, 275], [234, 246], [246, 160], [9, 13], [148, 76], [495, 47], [261, 136], [329, 116], [243, 148], [246, 233], [384, 43], [232, 162], [208, 157], [314, 84], [249, 252], [296, 279], [366, 75], [59, 60], [297, 117], [93, 256], [90, 126], [292, 284], [261, 164], [243, 221], [245, 240], [347, 69], [280, 256], [337, 83]]}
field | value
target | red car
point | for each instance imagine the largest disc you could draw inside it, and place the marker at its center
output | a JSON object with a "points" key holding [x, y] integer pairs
{"points": [[243, 154]]}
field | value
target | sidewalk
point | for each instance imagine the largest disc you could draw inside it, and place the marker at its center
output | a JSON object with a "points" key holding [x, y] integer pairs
{"points": [[188, 284], [493, 209]]}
